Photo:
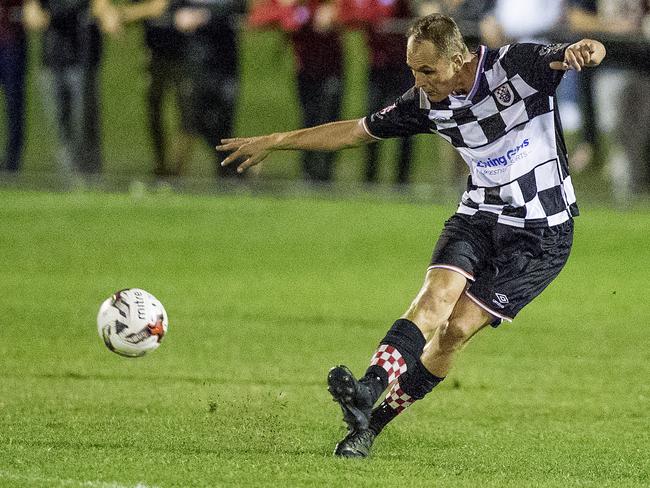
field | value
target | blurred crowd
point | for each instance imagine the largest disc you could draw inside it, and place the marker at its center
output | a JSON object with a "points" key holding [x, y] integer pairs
{"points": [[193, 48]]}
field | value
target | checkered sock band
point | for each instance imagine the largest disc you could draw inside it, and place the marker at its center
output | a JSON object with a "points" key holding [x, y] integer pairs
{"points": [[417, 381], [389, 358], [397, 399]]}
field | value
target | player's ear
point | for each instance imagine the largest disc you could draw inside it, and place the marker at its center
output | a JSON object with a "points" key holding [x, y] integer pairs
{"points": [[457, 61]]}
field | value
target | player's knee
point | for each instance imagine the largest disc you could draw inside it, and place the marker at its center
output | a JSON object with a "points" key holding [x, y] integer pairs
{"points": [[431, 309], [453, 335]]}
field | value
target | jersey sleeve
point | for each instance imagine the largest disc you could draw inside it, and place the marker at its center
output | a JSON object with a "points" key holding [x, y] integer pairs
{"points": [[531, 62], [401, 119]]}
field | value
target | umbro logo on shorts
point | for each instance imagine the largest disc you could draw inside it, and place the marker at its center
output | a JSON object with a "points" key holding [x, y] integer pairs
{"points": [[501, 300]]}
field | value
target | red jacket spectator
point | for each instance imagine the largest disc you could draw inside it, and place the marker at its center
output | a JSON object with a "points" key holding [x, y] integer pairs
{"points": [[11, 26], [386, 38], [313, 29], [314, 35]]}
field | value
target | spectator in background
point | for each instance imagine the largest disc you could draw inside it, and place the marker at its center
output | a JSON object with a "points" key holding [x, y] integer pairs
{"points": [[314, 32], [388, 75], [517, 21], [622, 109], [164, 75], [71, 54], [318, 48], [13, 62], [210, 83]]}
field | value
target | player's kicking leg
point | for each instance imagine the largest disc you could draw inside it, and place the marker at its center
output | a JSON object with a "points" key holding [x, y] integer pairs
{"points": [[439, 311], [354, 397], [400, 349], [418, 380]]}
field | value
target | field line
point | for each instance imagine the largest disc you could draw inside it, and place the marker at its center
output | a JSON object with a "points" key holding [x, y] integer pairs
{"points": [[68, 482]]}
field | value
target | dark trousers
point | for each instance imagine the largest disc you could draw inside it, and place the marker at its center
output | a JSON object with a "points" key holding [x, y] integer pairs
{"points": [[633, 133], [385, 85], [589, 125], [13, 62], [71, 94], [209, 103], [320, 100], [165, 76]]}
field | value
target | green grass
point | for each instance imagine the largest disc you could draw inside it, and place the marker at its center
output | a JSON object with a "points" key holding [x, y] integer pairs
{"points": [[264, 295]]}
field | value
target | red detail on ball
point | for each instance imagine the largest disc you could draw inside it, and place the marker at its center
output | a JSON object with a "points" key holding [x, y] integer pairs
{"points": [[157, 329]]}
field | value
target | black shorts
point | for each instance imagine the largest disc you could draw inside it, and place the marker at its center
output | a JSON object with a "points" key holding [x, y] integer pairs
{"points": [[506, 266]]}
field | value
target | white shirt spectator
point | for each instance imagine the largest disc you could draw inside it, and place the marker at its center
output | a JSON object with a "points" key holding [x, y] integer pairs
{"points": [[530, 20]]}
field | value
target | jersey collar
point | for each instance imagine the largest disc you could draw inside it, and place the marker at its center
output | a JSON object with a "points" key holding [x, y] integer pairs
{"points": [[479, 71]]}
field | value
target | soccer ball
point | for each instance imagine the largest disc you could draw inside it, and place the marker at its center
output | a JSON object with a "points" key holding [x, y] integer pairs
{"points": [[132, 322]]}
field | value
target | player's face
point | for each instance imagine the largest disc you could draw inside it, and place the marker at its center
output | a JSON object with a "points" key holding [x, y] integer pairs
{"points": [[434, 73]]}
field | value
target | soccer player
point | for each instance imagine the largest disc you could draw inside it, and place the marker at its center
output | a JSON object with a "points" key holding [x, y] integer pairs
{"points": [[513, 229]]}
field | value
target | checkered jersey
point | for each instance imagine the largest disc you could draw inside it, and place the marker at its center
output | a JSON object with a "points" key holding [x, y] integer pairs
{"points": [[507, 130]]}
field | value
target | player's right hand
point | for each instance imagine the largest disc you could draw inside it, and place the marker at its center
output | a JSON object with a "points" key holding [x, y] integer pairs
{"points": [[253, 150]]}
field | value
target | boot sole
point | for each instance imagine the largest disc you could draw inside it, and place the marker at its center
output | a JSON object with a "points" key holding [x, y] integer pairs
{"points": [[341, 386]]}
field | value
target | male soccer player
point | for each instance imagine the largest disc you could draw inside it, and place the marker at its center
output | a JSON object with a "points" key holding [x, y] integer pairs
{"points": [[513, 230]]}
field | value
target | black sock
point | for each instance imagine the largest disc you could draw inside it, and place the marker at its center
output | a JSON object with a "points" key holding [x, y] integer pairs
{"points": [[398, 351], [413, 385]]}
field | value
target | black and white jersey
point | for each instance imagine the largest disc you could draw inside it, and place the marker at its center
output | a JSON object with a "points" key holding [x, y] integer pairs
{"points": [[507, 130]]}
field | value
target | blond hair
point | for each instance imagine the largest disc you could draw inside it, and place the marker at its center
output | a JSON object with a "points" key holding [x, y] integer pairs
{"points": [[442, 32]]}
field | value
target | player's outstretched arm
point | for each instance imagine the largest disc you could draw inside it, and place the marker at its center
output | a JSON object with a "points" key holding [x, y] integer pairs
{"points": [[586, 53], [326, 137]]}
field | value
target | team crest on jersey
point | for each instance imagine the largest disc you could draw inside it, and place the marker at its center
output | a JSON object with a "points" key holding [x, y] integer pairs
{"points": [[504, 95]]}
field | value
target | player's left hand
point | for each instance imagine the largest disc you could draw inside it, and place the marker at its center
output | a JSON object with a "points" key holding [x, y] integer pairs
{"points": [[253, 150], [584, 53]]}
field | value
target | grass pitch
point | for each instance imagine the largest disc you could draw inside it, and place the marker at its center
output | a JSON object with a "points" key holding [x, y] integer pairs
{"points": [[264, 295]]}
